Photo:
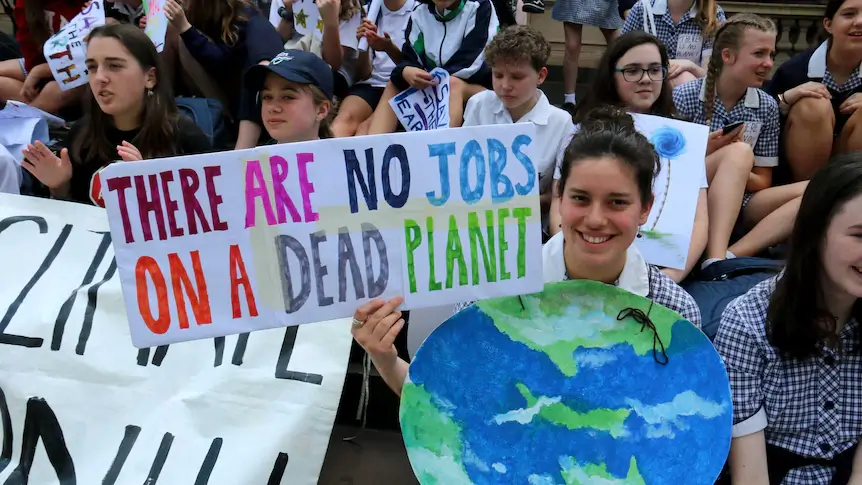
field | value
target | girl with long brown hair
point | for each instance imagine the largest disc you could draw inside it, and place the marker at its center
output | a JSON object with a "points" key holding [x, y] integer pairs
{"points": [[686, 27], [743, 145], [130, 116]]}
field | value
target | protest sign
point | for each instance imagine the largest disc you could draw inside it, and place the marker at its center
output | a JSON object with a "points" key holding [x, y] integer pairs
{"points": [[306, 18], [681, 147], [157, 22], [66, 50], [424, 109], [21, 125], [222, 243], [79, 404]]}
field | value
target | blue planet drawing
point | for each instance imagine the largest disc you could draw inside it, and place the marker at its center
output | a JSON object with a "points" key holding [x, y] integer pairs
{"points": [[669, 142], [561, 388]]}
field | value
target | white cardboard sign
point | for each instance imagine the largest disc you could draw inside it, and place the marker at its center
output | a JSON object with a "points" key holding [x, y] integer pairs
{"points": [[66, 51], [79, 404]]}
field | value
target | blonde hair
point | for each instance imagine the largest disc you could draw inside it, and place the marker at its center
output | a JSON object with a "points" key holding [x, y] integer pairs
{"points": [[349, 9], [325, 129], [729, 36], [707, 17]]}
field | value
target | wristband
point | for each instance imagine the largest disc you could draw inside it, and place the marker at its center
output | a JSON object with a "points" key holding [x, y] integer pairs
{"points": [[283, 13]]}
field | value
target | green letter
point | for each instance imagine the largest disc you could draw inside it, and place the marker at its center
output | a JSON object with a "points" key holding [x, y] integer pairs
{"points": [[502, 214], [433, 284], [413, 236], [522, 213], [476, 237], [453, 252]]}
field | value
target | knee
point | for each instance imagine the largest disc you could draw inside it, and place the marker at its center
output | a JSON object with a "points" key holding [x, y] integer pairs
{"points": [[813, 111], [739, 154], [855, 120]]}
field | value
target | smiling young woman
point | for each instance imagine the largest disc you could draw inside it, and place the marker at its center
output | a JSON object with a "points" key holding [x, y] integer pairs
{"points": [[606, 188]]}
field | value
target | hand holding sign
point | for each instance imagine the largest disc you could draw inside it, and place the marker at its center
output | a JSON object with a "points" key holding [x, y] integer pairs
{"points": [[367, 33], [329, 10], [373, 12], [418, 78], [425, 106], [176, 15], [381, 323], [53, 171]]}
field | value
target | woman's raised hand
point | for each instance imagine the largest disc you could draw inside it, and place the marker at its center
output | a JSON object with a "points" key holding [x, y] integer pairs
{"points": [[375, 326], [129, 153], [53, 171]]}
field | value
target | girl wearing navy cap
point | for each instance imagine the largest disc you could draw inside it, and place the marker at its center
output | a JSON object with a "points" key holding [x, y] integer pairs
{"points": [[295, 91], [820, 92]]}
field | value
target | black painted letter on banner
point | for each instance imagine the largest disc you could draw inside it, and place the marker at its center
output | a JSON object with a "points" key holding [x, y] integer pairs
{"points": [[41, 422], [122, 455], [278, 469], [281, 371]]}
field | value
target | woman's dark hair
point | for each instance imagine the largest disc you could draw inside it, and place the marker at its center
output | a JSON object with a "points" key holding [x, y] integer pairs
{"points": [[610, 132], [798, 322], [158, 116], [832, 7], [218, 19], [604, 90]]}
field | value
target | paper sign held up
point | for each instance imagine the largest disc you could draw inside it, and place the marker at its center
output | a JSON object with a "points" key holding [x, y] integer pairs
{"points": [[157, 22], [425, 109], [66, 50], [217, 244]]}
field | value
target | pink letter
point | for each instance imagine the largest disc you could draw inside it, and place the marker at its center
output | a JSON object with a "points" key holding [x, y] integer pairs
{"points": [[255, 186], [307, 188], [278, 166]]}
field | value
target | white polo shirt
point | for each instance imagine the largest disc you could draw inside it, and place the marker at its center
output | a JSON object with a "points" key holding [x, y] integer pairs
{"points": [[634, 278], [554, 127]]}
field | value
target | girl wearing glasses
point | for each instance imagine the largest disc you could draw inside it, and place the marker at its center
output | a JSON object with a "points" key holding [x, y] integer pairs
{"points": [[686, 27], [729, 100], [631, 75]]}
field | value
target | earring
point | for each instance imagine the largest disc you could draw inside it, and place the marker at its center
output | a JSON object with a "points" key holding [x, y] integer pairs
{"points": [[640, 234], [150, 93]]}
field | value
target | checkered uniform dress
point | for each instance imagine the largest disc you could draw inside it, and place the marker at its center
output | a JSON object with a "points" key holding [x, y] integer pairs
{"points": [[853, 83], [599, 13], [667, 31], [813, 407], [662, 290]]}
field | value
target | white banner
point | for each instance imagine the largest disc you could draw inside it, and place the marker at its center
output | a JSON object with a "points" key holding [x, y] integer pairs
{"points": [[80, 405], [66, 51]]}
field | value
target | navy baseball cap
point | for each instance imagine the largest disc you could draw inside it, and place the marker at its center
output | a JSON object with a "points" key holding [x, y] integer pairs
{"points": [[295, 66]]}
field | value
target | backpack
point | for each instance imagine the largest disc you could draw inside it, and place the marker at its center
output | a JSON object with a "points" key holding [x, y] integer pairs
{"points": [[722, 281], [208, 115]]}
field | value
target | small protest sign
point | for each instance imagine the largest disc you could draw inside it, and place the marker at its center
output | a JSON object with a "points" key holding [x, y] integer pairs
{"points": [[157, 22], [424, 109], [66, 50], [306, 18], [79, 404], [218, 244]]}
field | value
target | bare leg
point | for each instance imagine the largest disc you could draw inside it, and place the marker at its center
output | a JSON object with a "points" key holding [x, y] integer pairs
{"points": [[610, 35], [772, 213], [52, 99], [850, 139], [460, 92], [353, 111], [572, 55], [809, 136], [384, 119], [362, 130], [727, 170]]}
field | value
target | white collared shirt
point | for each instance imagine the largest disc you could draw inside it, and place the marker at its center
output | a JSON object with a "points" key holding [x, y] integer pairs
{"points": [[683, 39], [553, 126], [817, 70]]}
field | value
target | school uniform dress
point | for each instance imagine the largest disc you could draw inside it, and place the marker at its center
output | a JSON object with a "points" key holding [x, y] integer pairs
{"points": [[683, 40], [757, 109], [599, 13], [811, 66], [810, 411], [637, 277]]}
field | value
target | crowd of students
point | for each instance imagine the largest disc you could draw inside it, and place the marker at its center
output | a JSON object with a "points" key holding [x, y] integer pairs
{"points": [[782, 168]]}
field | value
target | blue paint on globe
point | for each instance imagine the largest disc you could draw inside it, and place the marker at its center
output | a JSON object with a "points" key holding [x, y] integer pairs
{"points": [[621, 418]]}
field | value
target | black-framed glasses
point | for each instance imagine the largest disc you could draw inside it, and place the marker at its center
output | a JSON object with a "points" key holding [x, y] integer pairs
{"points": [[635, 74]]}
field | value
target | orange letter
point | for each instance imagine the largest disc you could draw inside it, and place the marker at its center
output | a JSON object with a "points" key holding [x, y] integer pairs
{"points": [[149, 265], [237, 265], [200, 301]]}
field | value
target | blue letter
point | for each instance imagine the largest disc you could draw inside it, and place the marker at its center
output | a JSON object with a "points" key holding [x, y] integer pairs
{"points": [[369, 190], [497, 162], [472, 150], [442, 152], [396, 201], [520, 141]]}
